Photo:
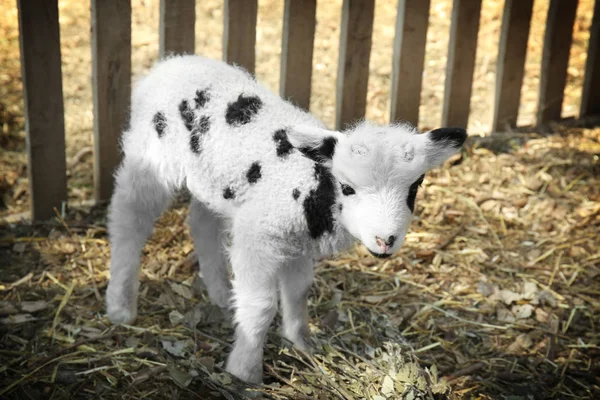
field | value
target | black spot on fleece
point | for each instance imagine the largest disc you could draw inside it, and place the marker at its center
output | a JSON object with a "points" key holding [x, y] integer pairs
{"points": [[284, 147], [197, 132], [322, 152], [160, 123], [296, 193], [241, 111], [187, 115], [319, 203], [201, 98], [228, 193], [254, 173]]}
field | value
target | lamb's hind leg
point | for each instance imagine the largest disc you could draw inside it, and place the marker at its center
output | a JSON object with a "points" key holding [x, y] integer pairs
{"points": [[207, 231], [139, 199], [295, 280]]}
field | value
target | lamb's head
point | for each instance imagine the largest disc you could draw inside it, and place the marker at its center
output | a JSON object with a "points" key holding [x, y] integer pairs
{"points": [[378, 170]]}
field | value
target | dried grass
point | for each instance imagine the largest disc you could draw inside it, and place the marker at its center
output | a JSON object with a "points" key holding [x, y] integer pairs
{"points": [[496, 289]]}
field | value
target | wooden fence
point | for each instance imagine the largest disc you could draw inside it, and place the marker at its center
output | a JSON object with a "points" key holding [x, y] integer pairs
{"points": [[111, 58]]}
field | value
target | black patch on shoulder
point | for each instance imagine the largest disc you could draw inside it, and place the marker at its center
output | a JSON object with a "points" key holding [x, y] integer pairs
{"points": [[254, 173], [201, 98], [323, 152], [241, 111], [319, 202], [455, 137], [187, 115], [340, 207], [228, 193], [197, 133], [160, 123], [412, 193], [284, 147], [296, 193]]}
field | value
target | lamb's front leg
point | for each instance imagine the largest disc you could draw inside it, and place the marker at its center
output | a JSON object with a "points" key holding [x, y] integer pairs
{"points": [[255, 301], [295, 281]]}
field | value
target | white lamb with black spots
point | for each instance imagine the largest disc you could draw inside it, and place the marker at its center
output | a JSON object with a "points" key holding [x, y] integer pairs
{"points": [[286, 189]]}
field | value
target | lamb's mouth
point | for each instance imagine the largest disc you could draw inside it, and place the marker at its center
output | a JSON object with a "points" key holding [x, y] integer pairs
{"points": [[380, 255]]}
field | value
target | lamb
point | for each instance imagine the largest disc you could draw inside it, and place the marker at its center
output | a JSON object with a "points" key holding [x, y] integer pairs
{"points": [[285, 188]]}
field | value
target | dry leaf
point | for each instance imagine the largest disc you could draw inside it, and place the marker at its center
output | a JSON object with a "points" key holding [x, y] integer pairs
{"points": [[504, 315], [387, 386], [176, 348], [522, 311], [509, 297], [545, 298], [207, 362], [541, 315], [521, 343], [68, 248], [176, 317], [486, 288], [194, 316], [181, 377], [529, 290], [182, 290]]}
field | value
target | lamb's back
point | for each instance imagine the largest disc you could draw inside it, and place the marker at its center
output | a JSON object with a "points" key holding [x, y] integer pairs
{"points": [[213, 127]]}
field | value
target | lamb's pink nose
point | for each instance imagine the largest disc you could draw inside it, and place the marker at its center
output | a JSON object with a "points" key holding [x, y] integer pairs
{"points": [[383, 244]]}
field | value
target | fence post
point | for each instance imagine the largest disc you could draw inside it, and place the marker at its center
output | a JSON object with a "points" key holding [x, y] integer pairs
{"points": [[44, 113], [353, 64], [239, 33], [408, 59], [111, 84], [555, 59], [512, 51], [461, 62], [297, 51], [177, 27], [590, 101]]}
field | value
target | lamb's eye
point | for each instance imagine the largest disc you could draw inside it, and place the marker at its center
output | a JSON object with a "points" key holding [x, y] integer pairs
{"points": [[347, 190]]}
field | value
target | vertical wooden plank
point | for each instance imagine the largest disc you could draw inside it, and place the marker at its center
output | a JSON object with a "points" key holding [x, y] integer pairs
{"points": [[511, 62], [590, 101], [461, 62], [239, 33], [44, 113], [408, 60], [111, 83], [555, 59], [299, 20], [353, 64], [177, 30]]}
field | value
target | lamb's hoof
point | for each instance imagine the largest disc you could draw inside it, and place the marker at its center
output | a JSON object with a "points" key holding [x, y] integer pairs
{"points": [[121, 315], [252, 374], [300, 345], [220, 297], [300, 341]]}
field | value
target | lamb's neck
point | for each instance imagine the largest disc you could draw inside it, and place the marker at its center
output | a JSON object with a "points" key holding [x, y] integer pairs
{"points": [[335, 242]]}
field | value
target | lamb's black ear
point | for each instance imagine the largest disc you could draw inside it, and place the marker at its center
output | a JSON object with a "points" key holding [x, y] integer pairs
{"points": [[442, 143], [315, 143], [453, 137]]}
